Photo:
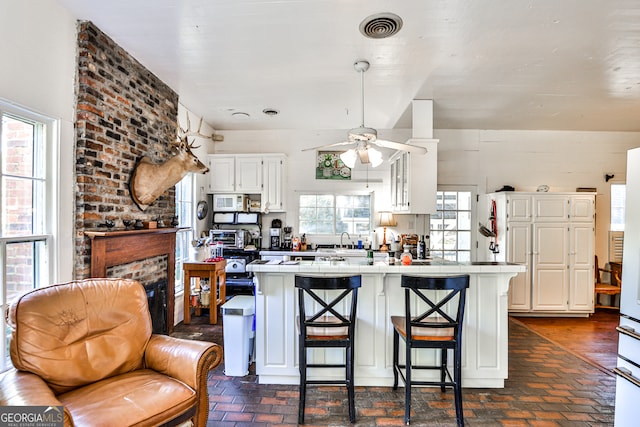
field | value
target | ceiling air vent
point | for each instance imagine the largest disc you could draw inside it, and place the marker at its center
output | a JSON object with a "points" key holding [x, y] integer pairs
{"points": [[381, 25]]}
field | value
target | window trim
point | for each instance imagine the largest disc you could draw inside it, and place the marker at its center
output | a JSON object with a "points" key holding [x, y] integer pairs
{"points": [[50, 134], [473, 252], [322, 236]]}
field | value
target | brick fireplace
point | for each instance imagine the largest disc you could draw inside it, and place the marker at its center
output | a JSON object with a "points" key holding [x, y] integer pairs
{"points": [[123, 112]]}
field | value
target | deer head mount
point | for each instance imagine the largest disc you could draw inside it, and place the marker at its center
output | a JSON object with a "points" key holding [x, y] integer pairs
{"points": [[150, 180]]}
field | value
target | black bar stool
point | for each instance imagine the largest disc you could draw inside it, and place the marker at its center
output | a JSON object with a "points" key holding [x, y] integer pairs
{"points": [[330, 323], [436, 324]]}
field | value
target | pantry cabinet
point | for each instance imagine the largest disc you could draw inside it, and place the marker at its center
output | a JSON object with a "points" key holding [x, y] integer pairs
{"points": [[414, 179], [263, 174], [553, 234]]}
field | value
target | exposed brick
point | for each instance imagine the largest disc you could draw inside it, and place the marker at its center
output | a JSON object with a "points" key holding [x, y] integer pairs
{"points": [[123, 113]]}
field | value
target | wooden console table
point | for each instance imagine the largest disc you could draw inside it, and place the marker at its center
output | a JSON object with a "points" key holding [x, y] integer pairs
{"points": [[111, 248], [217, 276]]}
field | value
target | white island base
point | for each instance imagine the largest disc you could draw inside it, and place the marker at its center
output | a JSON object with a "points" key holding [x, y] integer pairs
{"points": [[485, 335]]}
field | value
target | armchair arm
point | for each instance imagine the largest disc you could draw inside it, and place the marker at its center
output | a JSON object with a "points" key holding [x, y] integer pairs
{"points": [[18, 388], [185, 360], [188, 361]]}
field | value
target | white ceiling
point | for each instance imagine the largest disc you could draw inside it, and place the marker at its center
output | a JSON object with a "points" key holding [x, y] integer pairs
{"points": [[490, 64]]}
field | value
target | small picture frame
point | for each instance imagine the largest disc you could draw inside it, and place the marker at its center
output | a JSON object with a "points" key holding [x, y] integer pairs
{"points": [[330, 166]]}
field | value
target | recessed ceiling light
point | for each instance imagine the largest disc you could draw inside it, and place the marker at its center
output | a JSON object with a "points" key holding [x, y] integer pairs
{"points": [[240, 115], [271, 112]]}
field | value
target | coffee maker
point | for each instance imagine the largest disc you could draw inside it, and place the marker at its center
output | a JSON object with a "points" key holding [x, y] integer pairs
{"points": [[275, 234], [288, 235]]}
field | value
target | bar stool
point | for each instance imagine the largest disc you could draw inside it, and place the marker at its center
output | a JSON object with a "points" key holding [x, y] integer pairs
{"points": [[437, 324], [326, 321]]}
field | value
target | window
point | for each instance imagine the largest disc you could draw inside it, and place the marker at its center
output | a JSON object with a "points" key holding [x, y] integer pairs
{"points": [[450, 227], [334, 214], [618, 199], [26, 198], [184, 211]]}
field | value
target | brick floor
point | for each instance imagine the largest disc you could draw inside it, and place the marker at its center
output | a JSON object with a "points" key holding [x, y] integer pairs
{"points": [[547, 386]]}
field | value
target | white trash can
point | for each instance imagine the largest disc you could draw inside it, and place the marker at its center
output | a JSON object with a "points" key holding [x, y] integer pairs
{"points": [[237, 319]]}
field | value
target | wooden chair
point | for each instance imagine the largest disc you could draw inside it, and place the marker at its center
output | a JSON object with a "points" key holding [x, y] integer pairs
{"points": [[612, 288], [327, 321], [435, 322]]}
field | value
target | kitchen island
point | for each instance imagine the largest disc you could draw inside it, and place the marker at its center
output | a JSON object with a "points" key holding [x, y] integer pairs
{"points": [[485, 335]]}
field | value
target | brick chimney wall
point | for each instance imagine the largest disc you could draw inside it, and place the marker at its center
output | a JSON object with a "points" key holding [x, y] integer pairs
{"points": [[123, 112]]}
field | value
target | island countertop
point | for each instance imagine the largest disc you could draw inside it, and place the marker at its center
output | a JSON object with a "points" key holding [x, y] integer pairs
{"points": [[485, 333]]}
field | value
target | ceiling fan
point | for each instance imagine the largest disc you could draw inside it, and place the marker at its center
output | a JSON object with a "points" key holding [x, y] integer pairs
{"points": [[362, 139]]}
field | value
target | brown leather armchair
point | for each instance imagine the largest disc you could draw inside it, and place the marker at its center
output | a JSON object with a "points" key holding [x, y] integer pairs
{"points": [[87, 345]]}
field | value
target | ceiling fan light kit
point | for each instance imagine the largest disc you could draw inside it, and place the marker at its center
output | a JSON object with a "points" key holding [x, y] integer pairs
{"points": [[362, 139]]}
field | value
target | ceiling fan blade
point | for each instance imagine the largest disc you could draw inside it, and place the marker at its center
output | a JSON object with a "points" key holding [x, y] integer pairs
{"points": [[400, 146], [323, 147]]}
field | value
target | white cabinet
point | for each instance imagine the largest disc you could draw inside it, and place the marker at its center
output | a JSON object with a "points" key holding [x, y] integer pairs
{"points": [[222, 171], [549, 267], [263, 174], [553, 234], [235, 174], [414, 179], [273, 183], [248, 174], [519, 252]]}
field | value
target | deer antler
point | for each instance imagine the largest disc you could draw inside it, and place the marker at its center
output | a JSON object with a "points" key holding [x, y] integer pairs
{"points": [[197, 133]]}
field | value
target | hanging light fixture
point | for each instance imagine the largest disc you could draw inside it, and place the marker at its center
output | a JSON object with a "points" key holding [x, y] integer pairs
{"points": [[365, 152]]}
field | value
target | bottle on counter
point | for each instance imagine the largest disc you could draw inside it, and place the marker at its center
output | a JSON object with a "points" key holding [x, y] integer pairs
{"points": [[422, 248], [370, 257]]}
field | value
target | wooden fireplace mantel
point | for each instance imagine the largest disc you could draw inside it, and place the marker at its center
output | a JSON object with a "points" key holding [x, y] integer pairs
{"points": [[111, 248]]}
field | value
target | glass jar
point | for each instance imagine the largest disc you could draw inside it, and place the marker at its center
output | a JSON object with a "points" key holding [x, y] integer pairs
{"points": [[406, 258]]}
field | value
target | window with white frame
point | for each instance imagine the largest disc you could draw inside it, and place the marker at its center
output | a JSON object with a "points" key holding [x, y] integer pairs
{"points": [[618, 200], [26, 139], [184, 236], [450, 227], [334, 213]]}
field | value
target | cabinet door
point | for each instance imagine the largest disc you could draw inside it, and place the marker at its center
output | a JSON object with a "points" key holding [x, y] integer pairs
{"points": [[518, 207], [393, 182], [550, 276], [249, 174], [583, 208], [551, 208], [581, 267], [273, 183], [221, 174], [519, 251]]}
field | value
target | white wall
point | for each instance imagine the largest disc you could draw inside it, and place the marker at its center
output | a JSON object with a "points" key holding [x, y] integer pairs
{"points": [[38, 72]]}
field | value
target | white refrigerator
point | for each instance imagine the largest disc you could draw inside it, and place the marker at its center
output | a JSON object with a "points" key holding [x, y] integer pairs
{"points": [[627, 408]]}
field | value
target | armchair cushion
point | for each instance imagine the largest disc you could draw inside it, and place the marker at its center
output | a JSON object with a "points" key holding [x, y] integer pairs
{"points": [[79, 333]]}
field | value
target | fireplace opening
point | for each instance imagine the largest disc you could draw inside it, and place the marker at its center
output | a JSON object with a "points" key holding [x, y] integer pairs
{"points": [[157, 299]]}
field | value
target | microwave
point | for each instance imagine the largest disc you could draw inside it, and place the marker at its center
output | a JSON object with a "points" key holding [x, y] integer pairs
{"points": [[230, 203]]}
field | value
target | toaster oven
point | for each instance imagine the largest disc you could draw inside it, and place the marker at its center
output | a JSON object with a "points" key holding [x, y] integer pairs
{"points": [[231, 238]]}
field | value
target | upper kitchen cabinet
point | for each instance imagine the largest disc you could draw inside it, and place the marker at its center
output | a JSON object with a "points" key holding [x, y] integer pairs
{"points": [[414, 179], [274, 169], [235, 173], [263, 174], [222, 171]]}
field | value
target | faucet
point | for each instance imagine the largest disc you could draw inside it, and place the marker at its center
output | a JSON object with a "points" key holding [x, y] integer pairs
{"points": [[342, 235]]}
